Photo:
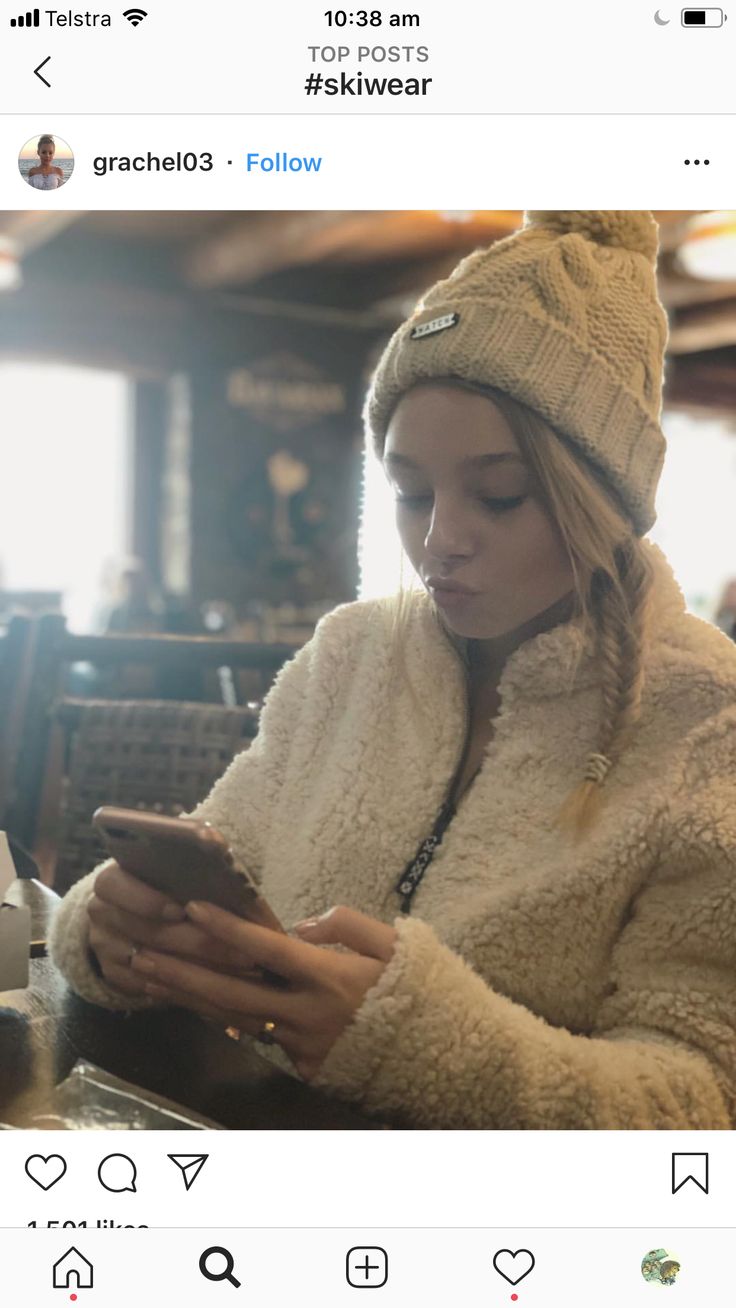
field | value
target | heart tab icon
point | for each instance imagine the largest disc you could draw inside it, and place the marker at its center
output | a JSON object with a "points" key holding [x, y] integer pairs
{"points": [[45, 1172], [513, 1267]]}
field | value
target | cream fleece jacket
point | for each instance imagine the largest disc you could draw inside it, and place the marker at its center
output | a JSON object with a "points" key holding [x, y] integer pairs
{"points": [[538, 983]]}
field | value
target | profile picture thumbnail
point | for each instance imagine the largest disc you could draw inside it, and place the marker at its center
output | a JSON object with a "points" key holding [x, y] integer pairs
{"points": [[46, 162], [660, 1267]]}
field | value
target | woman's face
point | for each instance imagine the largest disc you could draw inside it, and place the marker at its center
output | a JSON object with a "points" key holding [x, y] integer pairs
{"points": [[46, 153], [467, 512]]}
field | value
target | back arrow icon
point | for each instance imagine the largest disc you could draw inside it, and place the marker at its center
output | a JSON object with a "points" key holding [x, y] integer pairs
{"points": [[38, 72]]}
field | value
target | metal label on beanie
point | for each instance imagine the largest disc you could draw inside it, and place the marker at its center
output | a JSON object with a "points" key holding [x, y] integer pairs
{"points": [[435, 325]]}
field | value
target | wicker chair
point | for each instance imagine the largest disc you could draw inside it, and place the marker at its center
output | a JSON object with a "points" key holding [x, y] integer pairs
{"points": [[55, 652], [157, 755]]}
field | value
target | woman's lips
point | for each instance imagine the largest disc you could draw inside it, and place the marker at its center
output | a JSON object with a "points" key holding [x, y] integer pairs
{"points": [[451, 597]]}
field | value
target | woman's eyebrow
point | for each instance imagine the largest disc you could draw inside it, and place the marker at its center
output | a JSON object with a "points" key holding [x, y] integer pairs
{"points": [[474, 460]]}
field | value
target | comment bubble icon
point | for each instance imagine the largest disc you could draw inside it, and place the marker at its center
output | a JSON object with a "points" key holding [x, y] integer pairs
{"points": [[117, 1173]]}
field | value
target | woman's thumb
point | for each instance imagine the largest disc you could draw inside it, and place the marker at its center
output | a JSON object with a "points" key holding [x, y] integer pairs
{"points": [[346, 926]]}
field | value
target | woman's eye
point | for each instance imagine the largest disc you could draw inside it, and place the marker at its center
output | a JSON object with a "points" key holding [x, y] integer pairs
{"points": [[502, 506], [495, 505]]}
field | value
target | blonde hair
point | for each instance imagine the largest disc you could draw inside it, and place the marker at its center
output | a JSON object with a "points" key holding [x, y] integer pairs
{"points": [[45, 140], [612, 581]]}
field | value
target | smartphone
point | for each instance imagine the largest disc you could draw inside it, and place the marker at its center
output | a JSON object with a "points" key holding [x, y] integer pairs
{"points": [[184, 859]]}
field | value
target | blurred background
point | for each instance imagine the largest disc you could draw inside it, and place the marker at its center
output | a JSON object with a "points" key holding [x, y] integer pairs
{"points": [[180, 398], [182, 451]]}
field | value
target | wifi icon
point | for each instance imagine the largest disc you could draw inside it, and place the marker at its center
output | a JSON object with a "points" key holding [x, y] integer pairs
{"points": [[135, 16]]}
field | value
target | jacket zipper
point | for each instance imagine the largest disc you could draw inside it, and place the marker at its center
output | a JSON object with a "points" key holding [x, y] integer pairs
{"points": [[415, 869], [464, 742]]}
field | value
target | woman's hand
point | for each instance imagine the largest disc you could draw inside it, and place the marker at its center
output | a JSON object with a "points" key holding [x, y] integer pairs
{"points": [[126, 915], [324, 988]]}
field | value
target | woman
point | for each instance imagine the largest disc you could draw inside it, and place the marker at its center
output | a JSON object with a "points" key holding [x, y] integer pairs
{"points": [[46, 176], [521, 780]]}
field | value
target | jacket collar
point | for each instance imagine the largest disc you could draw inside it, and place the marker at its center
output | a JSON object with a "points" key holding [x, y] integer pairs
{"points": [[552, 663]]}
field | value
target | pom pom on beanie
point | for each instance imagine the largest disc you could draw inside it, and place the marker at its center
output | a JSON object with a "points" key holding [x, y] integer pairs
{"points": [[629, 229]]}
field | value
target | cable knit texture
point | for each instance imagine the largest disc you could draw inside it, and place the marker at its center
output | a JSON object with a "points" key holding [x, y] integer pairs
{"points": [[539, 983], [564, 316]]}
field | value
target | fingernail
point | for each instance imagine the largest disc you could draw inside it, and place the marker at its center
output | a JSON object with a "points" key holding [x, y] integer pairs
{"points": [[173, 913], [309, 923], [155, 992], [142, 963], [197, 912]]}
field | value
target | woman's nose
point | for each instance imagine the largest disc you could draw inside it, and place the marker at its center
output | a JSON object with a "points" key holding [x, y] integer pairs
{"points": [[448, 533]]}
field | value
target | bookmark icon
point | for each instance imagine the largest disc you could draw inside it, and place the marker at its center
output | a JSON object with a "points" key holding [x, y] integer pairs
{"points": [[190, 1165], [690, 1167]]}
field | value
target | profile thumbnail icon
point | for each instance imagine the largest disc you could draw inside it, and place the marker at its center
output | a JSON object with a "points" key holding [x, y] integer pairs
{"points": [[660, 1267], [46, 162]]}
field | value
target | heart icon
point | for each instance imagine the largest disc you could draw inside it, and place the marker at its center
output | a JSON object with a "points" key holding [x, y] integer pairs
{"points": [[45, 1171], [513, 1267]]}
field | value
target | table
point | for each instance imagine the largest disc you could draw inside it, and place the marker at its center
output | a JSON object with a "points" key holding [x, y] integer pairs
{"points": [[46, 1028], [42, 902]]}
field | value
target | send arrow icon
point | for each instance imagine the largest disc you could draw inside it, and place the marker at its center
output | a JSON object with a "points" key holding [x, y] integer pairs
{"points": [[190, 1165]]}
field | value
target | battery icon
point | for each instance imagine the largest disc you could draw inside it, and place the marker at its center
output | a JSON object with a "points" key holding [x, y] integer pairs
{"points": [[703, 18]]}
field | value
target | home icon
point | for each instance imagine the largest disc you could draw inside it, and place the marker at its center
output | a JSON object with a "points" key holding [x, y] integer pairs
{"points": [[73, 1271]]}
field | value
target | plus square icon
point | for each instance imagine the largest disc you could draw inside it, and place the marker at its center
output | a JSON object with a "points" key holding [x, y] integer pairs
{"points": [[367, 1267]]}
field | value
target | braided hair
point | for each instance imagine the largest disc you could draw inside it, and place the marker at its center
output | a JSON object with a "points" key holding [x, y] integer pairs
{"points": [[619, 606]]}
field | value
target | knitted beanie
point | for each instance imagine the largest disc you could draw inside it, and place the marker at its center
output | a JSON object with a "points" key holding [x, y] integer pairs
{"points": [[564, 316]]}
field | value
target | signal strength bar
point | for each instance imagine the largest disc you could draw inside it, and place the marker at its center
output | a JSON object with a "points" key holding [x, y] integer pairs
{"points": [[31, 19]]}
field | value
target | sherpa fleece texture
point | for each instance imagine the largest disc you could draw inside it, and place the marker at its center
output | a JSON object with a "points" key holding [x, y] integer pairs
{"points": [[538, 983]]}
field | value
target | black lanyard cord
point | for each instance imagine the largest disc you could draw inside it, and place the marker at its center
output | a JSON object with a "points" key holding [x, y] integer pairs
{"points": [[417, 866]]}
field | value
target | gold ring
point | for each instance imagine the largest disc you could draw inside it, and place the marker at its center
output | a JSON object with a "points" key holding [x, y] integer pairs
{"points": [[266, 1034]]}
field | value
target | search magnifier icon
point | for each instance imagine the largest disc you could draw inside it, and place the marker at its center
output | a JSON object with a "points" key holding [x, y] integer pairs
{"points": [[216, 1252]]}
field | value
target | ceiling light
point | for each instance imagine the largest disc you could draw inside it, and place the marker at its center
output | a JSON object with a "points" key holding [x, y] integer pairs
{"points": [[708, 249]]}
